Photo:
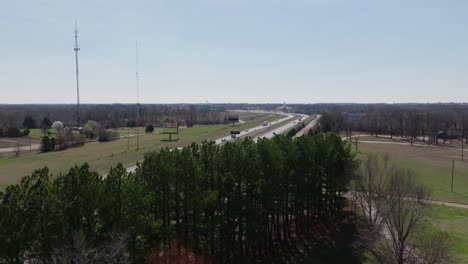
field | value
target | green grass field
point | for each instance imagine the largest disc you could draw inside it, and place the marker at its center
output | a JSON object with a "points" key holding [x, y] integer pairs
{"points": [[452, 221], [124, 131], [101, 156], [37, 132], [433, 166]]}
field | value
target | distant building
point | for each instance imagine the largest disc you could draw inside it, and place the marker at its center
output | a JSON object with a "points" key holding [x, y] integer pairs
{"points": [[284, 108]]}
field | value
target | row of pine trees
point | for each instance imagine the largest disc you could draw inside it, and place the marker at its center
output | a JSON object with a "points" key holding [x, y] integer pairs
{"points": [[226, 203]]}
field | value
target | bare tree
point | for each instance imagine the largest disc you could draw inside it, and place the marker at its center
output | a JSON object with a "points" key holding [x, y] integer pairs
{"points": [[369, 186], [392, 204], [82, 252], [404, 204]]}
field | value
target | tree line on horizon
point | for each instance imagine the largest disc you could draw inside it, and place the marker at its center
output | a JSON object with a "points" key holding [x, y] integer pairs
{"points": [[109, 116], [426, 125], [225, 203]]}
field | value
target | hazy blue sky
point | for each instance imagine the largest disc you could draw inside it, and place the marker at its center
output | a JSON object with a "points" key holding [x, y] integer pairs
{"points": [[235, 51]]}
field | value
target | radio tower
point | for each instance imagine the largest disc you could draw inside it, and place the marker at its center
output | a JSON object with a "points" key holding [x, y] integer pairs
{"points": [[77, 79], [138, 94], [136, 73]]}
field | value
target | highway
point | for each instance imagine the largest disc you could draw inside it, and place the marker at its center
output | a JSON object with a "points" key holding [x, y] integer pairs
{"points": [[268, 134], [308, 127], [282, 129], [257, 128]]}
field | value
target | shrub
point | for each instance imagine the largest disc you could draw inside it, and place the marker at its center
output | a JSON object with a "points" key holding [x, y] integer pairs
{"points": [[58, 126], [91, 129], [47, 144], [26, 132], [13, 132], [105, 136], [149, 129]]}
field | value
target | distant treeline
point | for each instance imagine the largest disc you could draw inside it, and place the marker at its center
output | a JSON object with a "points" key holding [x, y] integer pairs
{"points": [[110, 116], [349, 107], [426, 122], [224, 203]]}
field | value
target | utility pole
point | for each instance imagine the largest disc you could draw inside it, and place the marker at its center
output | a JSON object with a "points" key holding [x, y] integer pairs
{"points": [[77, 79], [138, 95], [462, 143], [453, 167]]}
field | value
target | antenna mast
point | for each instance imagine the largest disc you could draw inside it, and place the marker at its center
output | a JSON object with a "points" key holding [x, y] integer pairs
{"points": [[77, 79], [138, 93], [136, 73]]}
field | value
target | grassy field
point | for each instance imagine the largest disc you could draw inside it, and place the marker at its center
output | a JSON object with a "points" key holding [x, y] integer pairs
{"points": [[454, 222], [433, 166], [38, 134], [101, 156], [124, 131]]}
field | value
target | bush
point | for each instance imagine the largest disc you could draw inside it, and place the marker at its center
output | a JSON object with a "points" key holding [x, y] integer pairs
{"points": [[26, 132], [105, 136], [149, 129], [58, 126], [13, 132], [47, 144], [91, 129]]}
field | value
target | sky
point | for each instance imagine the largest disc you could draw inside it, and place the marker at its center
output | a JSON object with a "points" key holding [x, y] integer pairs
{"points": [[235, 51]]}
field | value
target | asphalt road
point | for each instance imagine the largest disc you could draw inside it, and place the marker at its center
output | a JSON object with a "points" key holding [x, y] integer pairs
{"points": [[308, 127], [268, 131], [282, 129], [257, 128]]}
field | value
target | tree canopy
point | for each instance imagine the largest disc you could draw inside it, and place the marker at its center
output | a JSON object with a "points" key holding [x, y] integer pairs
{"points": [[226, 203]]}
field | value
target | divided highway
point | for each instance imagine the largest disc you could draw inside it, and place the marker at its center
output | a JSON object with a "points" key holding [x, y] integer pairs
{"points": [[269, 133]]}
